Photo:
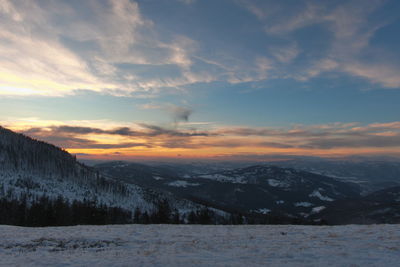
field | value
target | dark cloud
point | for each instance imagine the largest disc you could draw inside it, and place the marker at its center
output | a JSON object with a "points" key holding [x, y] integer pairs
{"points": [[288, 133], [69, 141], [148, 131], [178, 113], [364, 141], [312, 137], [154, 130], [181, 113], [77, 129], [276, 145]]}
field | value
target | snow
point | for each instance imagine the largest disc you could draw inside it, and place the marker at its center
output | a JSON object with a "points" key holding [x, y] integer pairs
{"points": [[180, 183], [280, 202], [317, 194], [188, 245], [236, 179], [120, 165], [276, 183], [262, 211], [158, 178], [303, 204], [318, 209]]}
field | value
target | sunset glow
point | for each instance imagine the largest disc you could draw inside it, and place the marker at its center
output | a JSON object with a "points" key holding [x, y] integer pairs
{"points": [[242, 79]]}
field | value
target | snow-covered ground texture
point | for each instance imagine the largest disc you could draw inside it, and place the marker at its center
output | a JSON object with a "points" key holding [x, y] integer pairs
{"points": [[185, 245]]}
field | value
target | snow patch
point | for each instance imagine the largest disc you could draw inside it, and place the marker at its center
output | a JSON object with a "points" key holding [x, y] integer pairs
{"points": [[276, 183], [303, 204], [236, 179], [181, 183], [317, 209], [317, 194], [262, 211]]}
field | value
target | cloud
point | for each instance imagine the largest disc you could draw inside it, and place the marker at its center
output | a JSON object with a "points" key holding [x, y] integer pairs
{"points": [[342, 138], [177, 113], [181, 113], [83, 47], [110, 46], [349, 27], [56, 70], [285, 54], [337, 135], [71, 142], [187, 2], [145, 130], [388, 76], [356, 142]]}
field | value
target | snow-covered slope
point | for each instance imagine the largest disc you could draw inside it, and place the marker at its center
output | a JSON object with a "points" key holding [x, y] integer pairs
{"points": [[168, 245], [32, 168]]}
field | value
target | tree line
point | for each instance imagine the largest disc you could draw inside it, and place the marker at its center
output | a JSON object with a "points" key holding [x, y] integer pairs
{"points": [[58, 212], [45, 211]]}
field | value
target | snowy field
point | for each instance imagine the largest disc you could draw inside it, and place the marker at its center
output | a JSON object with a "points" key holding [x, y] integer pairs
{"points": [[168, 245]]}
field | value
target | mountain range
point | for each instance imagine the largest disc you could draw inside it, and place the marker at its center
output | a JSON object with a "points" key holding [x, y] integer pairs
{"points": [[333, 193], [250, 190]]}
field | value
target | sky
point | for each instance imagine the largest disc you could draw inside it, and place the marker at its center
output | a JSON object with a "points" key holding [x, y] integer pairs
{"points": [[215, 79]]}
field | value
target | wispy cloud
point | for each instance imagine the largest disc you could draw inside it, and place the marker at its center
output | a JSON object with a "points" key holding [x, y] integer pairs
{"points": [[83, 47], [286, 53], [385, 74], [100, 46], [112, 47], [350, 28]]}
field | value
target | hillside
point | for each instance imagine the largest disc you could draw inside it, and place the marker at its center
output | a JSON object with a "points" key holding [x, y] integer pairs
{"points": [[379, 207], [33, 171], [371, 175]]}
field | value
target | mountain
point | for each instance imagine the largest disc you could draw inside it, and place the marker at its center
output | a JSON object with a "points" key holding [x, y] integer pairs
{"points": [[251, 190], [371, 175], [379, 207], [36, 175], [31, 170]]}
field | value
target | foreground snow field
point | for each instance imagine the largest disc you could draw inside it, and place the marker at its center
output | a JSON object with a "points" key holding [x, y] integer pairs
{"points": [[183, 245]]}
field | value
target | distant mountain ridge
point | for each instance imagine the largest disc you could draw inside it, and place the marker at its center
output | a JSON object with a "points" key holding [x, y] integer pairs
{"points": [[250, 190], [371, 175], [379, 207], [269, 190]]}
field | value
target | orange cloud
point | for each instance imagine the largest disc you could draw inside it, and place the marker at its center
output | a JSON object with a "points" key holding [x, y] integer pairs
{"points": [[144, 140]]}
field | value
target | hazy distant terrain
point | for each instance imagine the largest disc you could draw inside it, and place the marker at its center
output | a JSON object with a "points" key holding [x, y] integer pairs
{"points": [[252, 190], [322, 190], [155, 245]]}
